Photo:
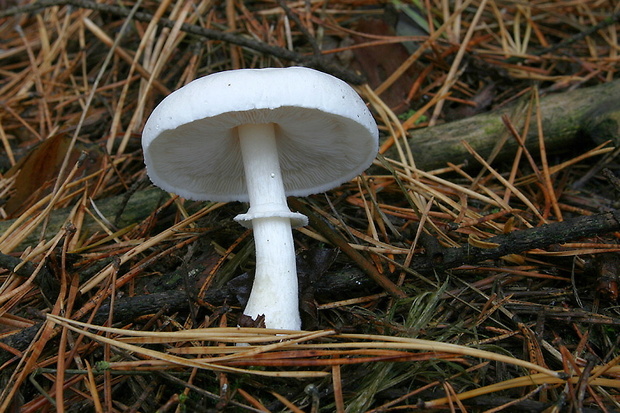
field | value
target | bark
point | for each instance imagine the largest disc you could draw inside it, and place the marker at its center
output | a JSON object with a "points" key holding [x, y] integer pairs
{"points": [[578, 119]]}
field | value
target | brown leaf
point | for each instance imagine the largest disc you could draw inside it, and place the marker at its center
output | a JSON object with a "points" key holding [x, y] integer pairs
{"points": [[38, 169], [607, 270], [247, 321], [479, 103], [377, 63]]}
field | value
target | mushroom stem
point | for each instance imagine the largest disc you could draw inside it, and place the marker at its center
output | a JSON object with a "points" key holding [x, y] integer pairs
{"points": [[274, 292]]}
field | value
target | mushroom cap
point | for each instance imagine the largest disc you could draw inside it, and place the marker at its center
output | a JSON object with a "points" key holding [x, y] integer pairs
{"points": [[325, 133]]}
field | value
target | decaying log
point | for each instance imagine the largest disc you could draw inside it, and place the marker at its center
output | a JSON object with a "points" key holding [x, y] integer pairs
{"points": [[577, 119], [134, 209]]}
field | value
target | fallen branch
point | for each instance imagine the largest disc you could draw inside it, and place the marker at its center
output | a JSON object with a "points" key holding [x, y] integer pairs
{"points": [[519, 241], [577, 119]]}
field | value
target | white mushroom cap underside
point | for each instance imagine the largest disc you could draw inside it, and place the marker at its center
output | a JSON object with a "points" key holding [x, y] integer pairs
{"points": [[325, 133]]}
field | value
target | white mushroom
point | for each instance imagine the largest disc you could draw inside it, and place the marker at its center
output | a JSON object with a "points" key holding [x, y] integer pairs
{"points": [[258, 135]]}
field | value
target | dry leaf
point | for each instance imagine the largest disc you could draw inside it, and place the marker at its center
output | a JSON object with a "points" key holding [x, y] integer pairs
{"points": [[38, 169]]}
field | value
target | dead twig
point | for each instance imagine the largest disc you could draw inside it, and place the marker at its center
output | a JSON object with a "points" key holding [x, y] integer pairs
{"points": [[315, 61], [519, 241]]}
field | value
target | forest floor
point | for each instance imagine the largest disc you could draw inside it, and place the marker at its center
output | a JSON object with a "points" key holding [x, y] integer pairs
{"points": [[473, 267]]}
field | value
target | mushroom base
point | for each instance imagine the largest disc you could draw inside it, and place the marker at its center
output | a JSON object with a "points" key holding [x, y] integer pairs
{"points": [[275, 291]]}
